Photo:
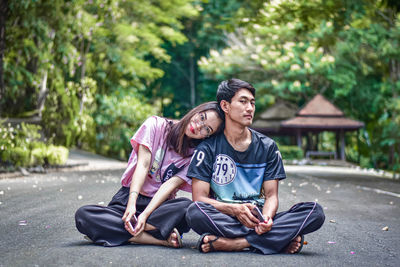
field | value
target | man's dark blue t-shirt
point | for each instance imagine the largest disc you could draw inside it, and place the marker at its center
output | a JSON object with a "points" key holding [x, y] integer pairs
{"points": [[236, 176]]}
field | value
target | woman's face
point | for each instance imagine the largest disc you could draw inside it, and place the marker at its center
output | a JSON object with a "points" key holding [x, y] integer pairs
{"points": [[203, 124]]}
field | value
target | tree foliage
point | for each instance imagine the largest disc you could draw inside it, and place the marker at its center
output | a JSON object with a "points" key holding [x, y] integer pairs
{"points": [[63, 58], [348, 50]]}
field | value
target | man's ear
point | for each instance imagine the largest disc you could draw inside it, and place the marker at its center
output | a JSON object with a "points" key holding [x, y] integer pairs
{"points": [[225, 106]]}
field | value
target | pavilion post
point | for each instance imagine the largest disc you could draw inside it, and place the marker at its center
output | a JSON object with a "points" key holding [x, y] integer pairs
{"points": [[342, 144], [298, 135], [337, 145], [358, 146]]}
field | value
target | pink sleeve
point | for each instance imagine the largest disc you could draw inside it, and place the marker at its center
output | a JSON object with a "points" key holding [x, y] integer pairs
{"points": [[145, 134]]}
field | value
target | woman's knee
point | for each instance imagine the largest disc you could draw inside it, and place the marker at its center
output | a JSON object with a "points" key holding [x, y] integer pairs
{"points": [[82, 217]]}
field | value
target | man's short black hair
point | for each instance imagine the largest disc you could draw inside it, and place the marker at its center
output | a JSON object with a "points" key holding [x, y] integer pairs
{"points": [[227, 89]]}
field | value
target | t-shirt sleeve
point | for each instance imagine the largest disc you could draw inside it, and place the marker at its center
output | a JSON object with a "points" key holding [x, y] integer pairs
{"points": [[145, 134], [201, 164], [274, 169]]}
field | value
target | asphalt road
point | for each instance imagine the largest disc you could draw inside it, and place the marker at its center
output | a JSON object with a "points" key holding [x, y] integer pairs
{"points": [[37, 223]]}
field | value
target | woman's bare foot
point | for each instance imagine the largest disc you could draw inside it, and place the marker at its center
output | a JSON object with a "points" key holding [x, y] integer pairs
{"points": [[294, 245], [223, 244]]}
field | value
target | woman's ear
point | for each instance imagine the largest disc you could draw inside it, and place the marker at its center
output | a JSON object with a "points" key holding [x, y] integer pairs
{"points": [[224, 106]]}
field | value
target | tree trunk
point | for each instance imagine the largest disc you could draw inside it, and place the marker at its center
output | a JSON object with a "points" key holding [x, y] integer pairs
{"points": [[3, 18], [42, 94], [192, 82], [84, 52]]}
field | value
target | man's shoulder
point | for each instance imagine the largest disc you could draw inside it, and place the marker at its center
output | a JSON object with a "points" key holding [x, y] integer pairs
{"points": [[211, 142], [262, 139]]}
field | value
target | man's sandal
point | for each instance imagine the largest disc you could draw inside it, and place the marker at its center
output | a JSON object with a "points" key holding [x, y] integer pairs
{"points": [[200, 242]]}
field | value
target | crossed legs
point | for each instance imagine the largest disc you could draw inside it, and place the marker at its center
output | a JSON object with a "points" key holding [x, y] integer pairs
{"points": [[285, 235]]}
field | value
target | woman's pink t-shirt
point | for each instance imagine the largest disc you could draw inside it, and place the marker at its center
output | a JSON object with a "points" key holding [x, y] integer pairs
{"points": [[152, 134]]}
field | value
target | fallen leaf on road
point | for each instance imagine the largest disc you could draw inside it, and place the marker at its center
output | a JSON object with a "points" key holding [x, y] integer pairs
{"points": [[305, 243], [385, 228]]}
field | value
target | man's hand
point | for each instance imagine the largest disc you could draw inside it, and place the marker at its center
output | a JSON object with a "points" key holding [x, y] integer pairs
{"points": [[265, 226], [244, 215]]}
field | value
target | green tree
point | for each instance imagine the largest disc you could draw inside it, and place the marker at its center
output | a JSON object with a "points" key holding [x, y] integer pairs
{"points": [[63, 57], [346, 50]]}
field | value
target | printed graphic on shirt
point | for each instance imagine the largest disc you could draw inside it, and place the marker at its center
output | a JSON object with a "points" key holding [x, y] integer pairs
{"points": [[224, 170], [156, 163], [171, 171], [245, 186]]}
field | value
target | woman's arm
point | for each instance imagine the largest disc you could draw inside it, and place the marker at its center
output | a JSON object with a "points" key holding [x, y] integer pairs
{"points": [[161, 195], [138, 178]]}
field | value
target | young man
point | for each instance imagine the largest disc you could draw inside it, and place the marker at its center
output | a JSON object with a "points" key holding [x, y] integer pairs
{"points": [[229, 171]]}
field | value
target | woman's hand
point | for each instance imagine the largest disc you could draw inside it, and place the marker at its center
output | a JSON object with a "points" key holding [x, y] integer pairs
{"points": [[141, 223], [129, 212]]}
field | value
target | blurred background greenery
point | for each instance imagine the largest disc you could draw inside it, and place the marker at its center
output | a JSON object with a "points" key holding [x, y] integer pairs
{"points": [[93, 70]]}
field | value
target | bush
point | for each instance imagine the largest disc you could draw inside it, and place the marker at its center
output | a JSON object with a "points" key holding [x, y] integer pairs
{"points": [[20, 156], [291, 152], [21, 146], [57, 155], [38, 156]]}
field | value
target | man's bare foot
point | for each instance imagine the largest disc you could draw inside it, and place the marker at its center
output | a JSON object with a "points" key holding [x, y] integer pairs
{"points": [[174, 240], [294, 246], [212, 243]]}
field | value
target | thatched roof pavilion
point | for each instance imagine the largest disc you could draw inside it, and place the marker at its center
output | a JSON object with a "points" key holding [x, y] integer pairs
{"points": [[321, 115]]}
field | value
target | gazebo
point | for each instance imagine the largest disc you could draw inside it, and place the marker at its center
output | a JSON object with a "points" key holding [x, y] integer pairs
{"points": [[320, 115]]}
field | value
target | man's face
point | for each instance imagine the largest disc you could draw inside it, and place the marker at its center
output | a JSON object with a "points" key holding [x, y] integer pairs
{"points": [[242, 107]]}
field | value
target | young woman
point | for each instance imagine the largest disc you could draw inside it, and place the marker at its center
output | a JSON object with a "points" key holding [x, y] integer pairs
{"points": [[157, 168]]}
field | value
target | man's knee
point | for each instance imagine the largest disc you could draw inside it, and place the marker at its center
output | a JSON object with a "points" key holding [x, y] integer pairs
{"points": [[319, 215], [194, 214]]}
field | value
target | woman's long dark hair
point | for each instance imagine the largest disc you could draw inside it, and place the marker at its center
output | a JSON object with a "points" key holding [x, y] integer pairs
{"points": [[176, 137]]}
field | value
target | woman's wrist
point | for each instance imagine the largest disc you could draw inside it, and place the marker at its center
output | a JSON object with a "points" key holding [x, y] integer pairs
{"points": [[134, 193]]}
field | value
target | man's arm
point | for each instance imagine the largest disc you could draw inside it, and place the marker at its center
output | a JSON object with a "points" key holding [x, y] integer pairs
{"points": [[271, 198], [242, 212], [270, 206]]}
